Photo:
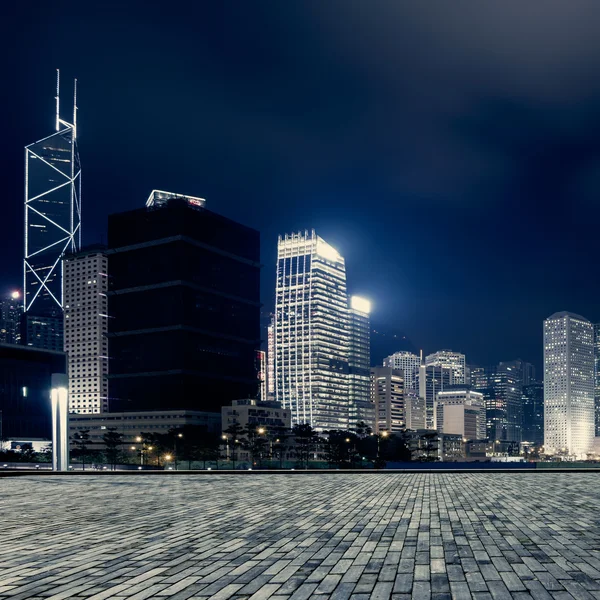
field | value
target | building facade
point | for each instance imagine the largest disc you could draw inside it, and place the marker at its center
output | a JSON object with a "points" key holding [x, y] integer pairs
{"points": [[184, 303], [248, 412], [455, 361], [362, 408], [568, 384], [432, 379], [387, 394], [597, 379], [408, 363], [461, 411], [311, 332], [52, 227], [11, 310], [85, 289], [533, 413], [25, 384]]}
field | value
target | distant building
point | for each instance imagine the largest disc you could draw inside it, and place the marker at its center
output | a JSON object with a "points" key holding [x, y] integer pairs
{"points": [[271, 361], [85, 291], [525, 370], [184, 303], [597, 379], [432, 379], [428, 445], [250, 412], [387, 394], [132, 424], [261, 360], [311, 332], [568, 384], [362, 407], [11, 309], [533, 413], [408, 363], [414, 407], [455, 361], [461, 411], [25, 384], [502, 390]]}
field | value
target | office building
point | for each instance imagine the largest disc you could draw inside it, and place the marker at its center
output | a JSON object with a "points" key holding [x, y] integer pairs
{"points": [[525, 370], [568, 384], [11, 310], [432, 379], [455, 361], [414, 407], [25, 384], [52, 227], [311, 324], [85, 288], [387, 395], [261, 368], [362, 408], [184, 304], [461, 411], [271, 360], [533, 413], [249, 412], [597, 379], [131, 425], [408, 363], [501, 388]]}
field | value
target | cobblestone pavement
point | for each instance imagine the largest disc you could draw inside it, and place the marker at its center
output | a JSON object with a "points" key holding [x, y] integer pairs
{"points": [[176, 537]]}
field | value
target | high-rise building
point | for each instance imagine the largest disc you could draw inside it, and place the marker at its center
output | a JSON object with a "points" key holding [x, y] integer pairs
{"points": [[432, 379], [271, 361], [597, 379], [387, 393], [568, 384], [52, 228], [261, 359], [533, 413], [502, 389], [408, 363], [525, 370], [362, 408], [311, 344], [85, 282], [11, 310], [184, 304], [461, 411], [455, 361]]}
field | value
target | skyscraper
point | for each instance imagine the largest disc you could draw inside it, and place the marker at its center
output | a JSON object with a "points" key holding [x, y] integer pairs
{"points": [[597, 379], [525, 370], [455, 361], [461, 411], [387, 393], [11, 310], [86, 326], [533, 413], [432, 379], [184, 307], [311, 339], [361, 408], [408, 363], [52, 227], [568, 384]]}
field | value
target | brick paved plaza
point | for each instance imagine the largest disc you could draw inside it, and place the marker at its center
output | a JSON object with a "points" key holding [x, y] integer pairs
{"points": [[176, 537]]}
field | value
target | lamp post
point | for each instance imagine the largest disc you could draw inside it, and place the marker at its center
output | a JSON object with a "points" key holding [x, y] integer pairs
{"points": [[226, 439], [383, 434]]}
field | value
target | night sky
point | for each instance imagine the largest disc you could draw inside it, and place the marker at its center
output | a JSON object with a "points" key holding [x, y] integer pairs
{"points": [[450, 151]]}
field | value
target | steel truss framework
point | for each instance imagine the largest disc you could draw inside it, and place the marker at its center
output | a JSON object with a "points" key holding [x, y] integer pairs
{"points": [[52, 213]]}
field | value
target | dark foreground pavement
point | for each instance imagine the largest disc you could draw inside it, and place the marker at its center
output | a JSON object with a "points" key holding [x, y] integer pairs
{"points": [[398, 535]]}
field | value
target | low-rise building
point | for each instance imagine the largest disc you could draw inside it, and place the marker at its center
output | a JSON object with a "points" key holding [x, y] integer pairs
{"points": [[252, 412], [461, 411]]}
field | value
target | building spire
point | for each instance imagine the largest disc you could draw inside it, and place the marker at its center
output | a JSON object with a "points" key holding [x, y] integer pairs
{"points": [[57, 98], [74, 108]]}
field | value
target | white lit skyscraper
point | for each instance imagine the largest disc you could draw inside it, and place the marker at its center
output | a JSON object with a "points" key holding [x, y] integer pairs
{"points": [[568, 384], [11, 309], [455, 361], [408, 363], [362, 408], [311, 332]]}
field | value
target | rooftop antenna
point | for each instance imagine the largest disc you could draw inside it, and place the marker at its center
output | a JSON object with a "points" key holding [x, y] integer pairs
{"points": [[57, 99], [75, 108]]}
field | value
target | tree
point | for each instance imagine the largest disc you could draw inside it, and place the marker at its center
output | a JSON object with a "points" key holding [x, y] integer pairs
{"points": [[278, 437], [255, 442], [306, 441], [113, 441], [233, 439], [363, 430], [81, 440]]}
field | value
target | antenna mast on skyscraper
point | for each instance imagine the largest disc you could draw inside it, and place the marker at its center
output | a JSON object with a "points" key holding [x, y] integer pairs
{"points": [[57, 99], [74, 108]]}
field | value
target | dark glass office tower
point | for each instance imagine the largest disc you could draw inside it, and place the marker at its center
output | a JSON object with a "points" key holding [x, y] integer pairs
{"points": [[184, 307], [533, 413]]}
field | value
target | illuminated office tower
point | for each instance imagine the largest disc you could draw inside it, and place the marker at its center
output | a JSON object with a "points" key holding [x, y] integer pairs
{"points": [[271, 360], [408, 363], [568, 384], [11, 310], [432, 379], [597, 379], [387, 394], [261, 369], [461, 411], [52, 228], [455, 361], [362, 408], [86, 327], [311, 327]]}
